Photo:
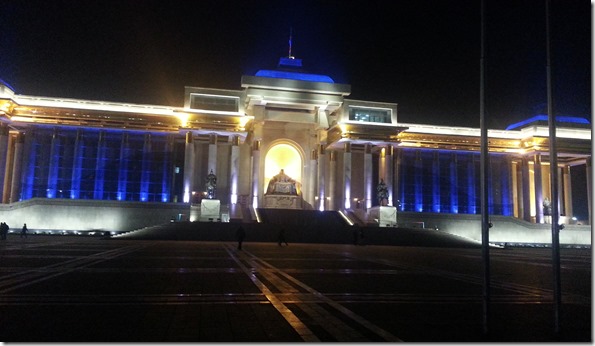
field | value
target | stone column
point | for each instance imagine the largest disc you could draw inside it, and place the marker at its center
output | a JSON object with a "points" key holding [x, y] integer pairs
{"points": [[538, 186], [145, 169], [3, 154], [212, 165], [436, 182], [313, 171], [526, 190], [17, 167], [53, 166], [332, 181], [567, 191], [123, 169], [188, 168], [322, 159], [589, 188], [454, 197], [99, 167], [234, 168], [389, 175], [346, 177], [77, 166], [255, 173], [368, 189]]}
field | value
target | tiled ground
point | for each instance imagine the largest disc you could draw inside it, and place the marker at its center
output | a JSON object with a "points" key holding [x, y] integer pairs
{"points": [[68, 288]]}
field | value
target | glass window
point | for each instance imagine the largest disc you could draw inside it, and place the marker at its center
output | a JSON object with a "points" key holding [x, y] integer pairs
{"points": [[214, 103], [370, 115]]}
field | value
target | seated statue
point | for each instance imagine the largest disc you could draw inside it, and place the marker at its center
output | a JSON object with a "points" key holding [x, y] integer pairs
{"points": [[282, 184]]}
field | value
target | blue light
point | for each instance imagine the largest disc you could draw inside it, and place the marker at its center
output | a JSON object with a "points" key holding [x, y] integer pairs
{"points": [[295, 76], [541, 117]]}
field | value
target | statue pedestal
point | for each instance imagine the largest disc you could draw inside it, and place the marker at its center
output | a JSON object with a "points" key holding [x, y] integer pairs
{"points": [[283, 202], [210, 209], [384, 215]]}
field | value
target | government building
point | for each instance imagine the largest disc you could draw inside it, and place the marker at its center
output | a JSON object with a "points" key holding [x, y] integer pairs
{"points": [[287, 139]]}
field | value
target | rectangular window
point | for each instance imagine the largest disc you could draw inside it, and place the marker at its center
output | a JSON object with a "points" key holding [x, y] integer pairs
{"points": [[370, 115], [214, 102]]}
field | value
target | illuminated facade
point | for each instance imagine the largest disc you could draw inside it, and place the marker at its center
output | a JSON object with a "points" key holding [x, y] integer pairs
{"points": [[334, 148]]}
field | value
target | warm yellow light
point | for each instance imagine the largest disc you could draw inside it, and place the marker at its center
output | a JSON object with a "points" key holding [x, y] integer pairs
{"points": [[245, 120], [286, 157], [183, 119]]}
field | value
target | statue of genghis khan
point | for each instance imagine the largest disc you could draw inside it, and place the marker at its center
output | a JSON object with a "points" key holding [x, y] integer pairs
{"points": [[281, 184], [211, 185]]}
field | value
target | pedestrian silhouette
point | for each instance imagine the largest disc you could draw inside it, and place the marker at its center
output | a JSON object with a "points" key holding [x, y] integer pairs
{"points": [[240, 235], [24, 231], [282, 237]]}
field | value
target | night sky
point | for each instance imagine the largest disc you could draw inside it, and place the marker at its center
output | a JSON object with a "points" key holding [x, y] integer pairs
{"points": [[422, 54]]}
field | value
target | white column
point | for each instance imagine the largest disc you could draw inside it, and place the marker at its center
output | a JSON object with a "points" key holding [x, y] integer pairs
{"points": [[212, 165], [313, 178], [389, 175], [234, 168], [331, 181], [3, 154], [538, 186], [567, 191], [15, 189], [368, 176], [321, 177], [255, 170], [347, 176], [188, 168]]}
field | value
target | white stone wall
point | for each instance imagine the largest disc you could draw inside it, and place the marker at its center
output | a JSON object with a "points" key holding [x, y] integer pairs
{"points": [[84, 215]]}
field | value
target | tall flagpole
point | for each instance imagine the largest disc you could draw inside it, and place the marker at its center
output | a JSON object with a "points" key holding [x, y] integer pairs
{"points": [[485, 225], [554, 178]]}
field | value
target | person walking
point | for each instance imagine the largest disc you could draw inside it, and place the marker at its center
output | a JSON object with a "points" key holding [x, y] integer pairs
{"points": [[282, 237], [240, 235], [24, 231], [3, 230]]}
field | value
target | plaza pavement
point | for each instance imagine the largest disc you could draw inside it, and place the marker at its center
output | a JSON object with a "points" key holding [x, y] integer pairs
{"points": [[151, 289]]}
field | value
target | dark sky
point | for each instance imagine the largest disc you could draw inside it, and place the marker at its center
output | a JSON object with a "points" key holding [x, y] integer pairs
{"points": [[421, 54]]}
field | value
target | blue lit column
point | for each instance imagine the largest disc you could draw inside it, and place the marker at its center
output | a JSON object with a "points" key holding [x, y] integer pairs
{"points": [[505, 183], [418, 188], [454, 197], [234, 168], [332, 181], [77, 164], [15, 188], [347, 176], [167, 169], [145, 177], [471, 206], [321, 177], [436, 182], [3, 154], [123, 170], [255, 172], [188, 167], [53, 165], [100, 167], [368, 176]]}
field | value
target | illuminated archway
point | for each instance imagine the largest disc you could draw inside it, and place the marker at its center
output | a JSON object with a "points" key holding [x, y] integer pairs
{"points": [[282, 156]]}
